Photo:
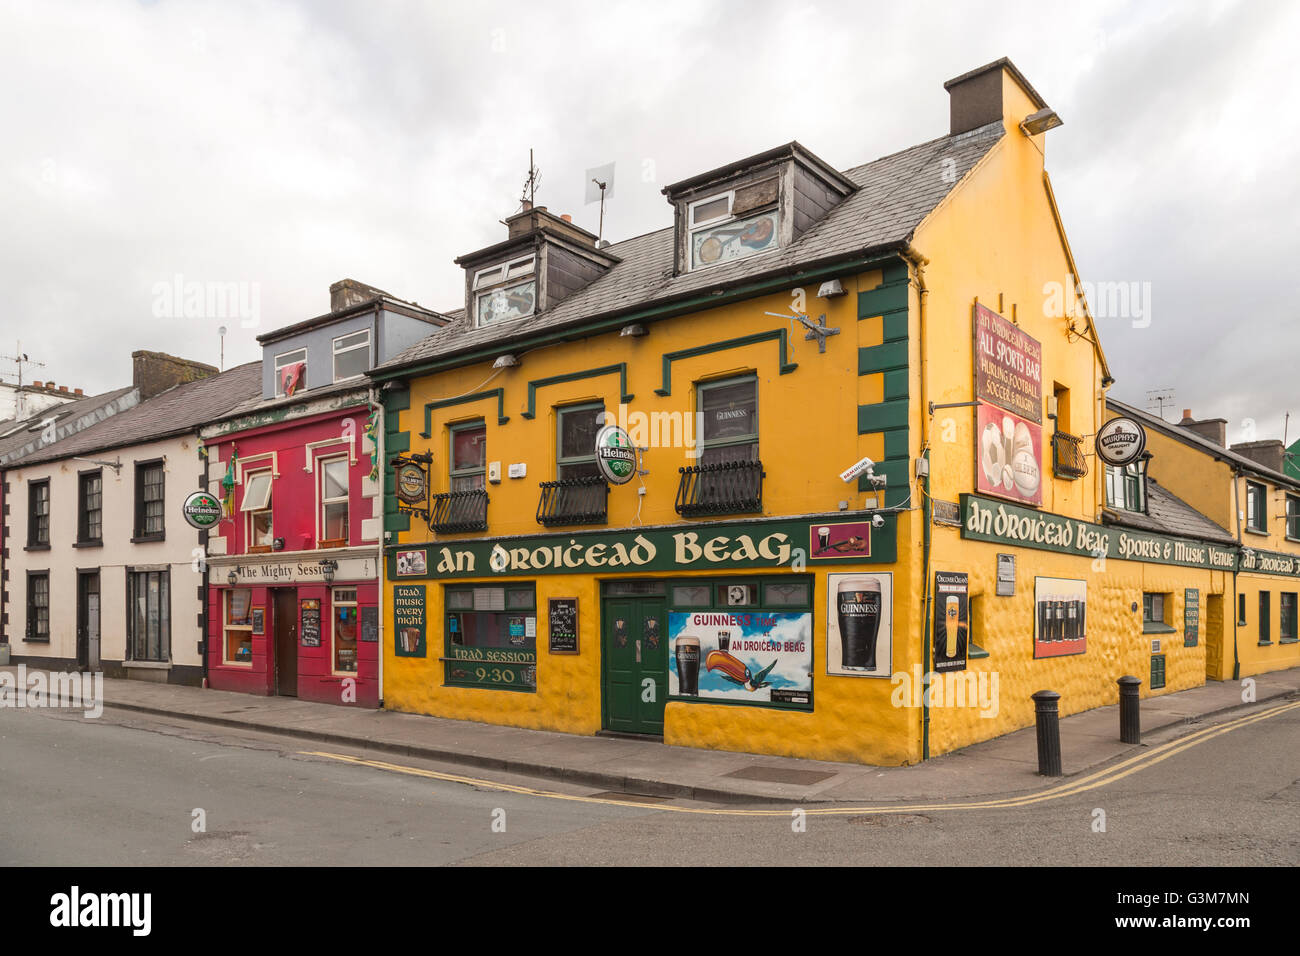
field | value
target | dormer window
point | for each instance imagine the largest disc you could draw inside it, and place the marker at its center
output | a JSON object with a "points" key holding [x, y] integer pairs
{"points": [[505, 291], [723, 227]]}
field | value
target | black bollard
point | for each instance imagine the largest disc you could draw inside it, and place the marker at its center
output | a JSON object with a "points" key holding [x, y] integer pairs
{"points": [[1130, 715], [1049, 732]]}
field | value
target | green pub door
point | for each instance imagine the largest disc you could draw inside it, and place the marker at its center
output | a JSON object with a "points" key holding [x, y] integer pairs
{"points": [[634, 668]]}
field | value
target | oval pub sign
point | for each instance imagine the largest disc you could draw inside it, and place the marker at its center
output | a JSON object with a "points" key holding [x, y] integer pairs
{"points": [[615, 455], [410, 483], [202, 510], [1121, 441]]}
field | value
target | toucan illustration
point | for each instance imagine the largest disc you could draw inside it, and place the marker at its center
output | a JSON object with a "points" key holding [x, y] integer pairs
{"points": [[731, 669]]}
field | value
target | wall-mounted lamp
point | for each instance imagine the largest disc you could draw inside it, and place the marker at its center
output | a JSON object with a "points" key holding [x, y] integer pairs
{"points": [[1041, 122], [634, 331], [831, 289], [505, 361], [1052, 407], [328, 567], [233, 578]]}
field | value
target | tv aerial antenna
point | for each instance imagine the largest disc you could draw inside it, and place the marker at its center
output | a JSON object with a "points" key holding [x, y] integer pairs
{"points": [[20, 359], [531, 183], [1158, 398]]}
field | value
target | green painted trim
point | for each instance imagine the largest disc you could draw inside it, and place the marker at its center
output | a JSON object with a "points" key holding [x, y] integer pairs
{"points": [[898, 443], [974, 652], [498, 393], [897, 383], [780, 336], [397, 443], [397, 400], [888, 297], [397, 522], [882, 416], [879, 358], [896, 325], [535, 384], [706, 300]]}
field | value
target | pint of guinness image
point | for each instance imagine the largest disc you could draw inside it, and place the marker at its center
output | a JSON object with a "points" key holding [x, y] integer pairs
{"points": [[1058, 631], [1044, 621], [1072, 620], [858, 601], [724, 641], [687, 650]]}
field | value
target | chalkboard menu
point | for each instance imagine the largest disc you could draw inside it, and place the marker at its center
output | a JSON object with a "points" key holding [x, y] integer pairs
{"points": [[370, 625], [1191, 617], [310, 622], [564, 626]]}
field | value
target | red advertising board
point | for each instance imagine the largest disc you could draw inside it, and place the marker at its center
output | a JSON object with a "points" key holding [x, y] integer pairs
{"points": [[1008, 456], [1008, 366]]}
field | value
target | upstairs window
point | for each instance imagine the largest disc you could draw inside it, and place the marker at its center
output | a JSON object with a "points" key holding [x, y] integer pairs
{"points": [[149, 499], [38, 513], [1293, 517], [290, 372], [468, 457], [724, 227], [333, 502], [575, 441], [257, 506], [90, 508], [730, 411], [1124, 488], [505, 291], [351, 355], [1256, 502]]}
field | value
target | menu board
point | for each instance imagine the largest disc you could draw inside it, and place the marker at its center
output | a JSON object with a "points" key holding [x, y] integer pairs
{"points": [[310, 622], [370, 625], [564, 626]]}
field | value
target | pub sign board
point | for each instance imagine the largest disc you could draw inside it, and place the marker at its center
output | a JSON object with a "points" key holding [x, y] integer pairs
{"points": [[1191, 617], [1008, 366], [563, 625], [409, 620]]}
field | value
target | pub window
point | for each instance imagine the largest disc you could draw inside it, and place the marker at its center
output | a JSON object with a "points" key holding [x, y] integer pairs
{"points": [[90, 508], [38, 513], [1256, 497], [691, 595], [468, 457], [1241, 609], [1286, 605], [237, 621], [290, 372], [976, 626], [505, 291], [332, 489], [575, 441], [491, 637], [257, 507], [1154, 609], [345, 630], [38, 606], [1265, 619], [148, 617], [730, 412], [1124, 487], [721, 228], [1293, 517], [781, 594], [351, 355], [149, 495]]}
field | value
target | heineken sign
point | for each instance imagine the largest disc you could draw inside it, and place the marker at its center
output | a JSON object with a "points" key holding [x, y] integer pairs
{"points": [[986, 520], [202, 510], [777, 543], [615, 455]]}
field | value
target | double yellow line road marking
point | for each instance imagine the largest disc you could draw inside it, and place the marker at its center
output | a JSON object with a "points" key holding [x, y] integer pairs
{"points": [[1090, 782]]}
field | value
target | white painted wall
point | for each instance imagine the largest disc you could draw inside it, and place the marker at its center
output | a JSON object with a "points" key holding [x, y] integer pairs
{"points": [[176, 552]]}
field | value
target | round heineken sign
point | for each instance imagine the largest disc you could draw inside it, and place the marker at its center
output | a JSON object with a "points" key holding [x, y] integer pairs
{"points": [[202, 510], [615, 455], [1121, 441], [410, 483]]}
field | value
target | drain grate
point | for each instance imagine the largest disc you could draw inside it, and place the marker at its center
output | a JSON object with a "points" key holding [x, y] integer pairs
{"points": [[780, 775], [630, 797]]}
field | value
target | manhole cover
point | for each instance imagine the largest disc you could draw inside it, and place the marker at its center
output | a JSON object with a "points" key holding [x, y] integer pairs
{"points": [[780, 775], [630, 797], [889, 819]]}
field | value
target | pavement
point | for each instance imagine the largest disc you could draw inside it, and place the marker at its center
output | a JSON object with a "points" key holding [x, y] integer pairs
{"points": [[1002, 766]]}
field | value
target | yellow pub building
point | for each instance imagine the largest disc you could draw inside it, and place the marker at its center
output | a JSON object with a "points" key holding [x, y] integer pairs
{"points": [[811, 471]]}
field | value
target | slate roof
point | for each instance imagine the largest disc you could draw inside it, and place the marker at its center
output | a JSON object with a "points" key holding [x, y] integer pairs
{"points": [[895, 193], [176, 411], [1169, 514], [16, 438]]}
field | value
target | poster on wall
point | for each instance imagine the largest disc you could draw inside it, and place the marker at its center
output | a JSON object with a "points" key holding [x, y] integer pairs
{"points": [[1060, 617], [309, 629], [408, 620], [839, 540], [951, 621], [750, 657], [1191, 617], [1008, 456], [1008, 366], [563, 625], [859, 625], [412, 563]]}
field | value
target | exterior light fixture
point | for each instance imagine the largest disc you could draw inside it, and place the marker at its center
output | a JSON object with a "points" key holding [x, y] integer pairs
{"points": [[1040, 122], [233, 578], [328, 567], [505, 361], [634, 331], [831, 290]]}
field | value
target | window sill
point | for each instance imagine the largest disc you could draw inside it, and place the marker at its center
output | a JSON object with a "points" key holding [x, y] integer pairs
{"points": [[1288, 640], [1265, 643], [36, 640], [88, 544], [149, 665], [146, 538], [330, 543], [975, 652], [37, 547], [1150, 628], [261, 549], [1262, 532]]}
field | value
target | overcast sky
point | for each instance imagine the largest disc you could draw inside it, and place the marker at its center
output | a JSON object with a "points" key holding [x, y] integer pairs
{"points": [[288, 145]]}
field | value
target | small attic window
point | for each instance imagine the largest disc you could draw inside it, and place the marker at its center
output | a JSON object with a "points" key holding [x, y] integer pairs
{"points": [[733, 225], [499, 293]]}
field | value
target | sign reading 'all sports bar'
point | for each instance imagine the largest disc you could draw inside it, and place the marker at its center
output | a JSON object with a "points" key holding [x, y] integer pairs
{"points": [[753, 544], [987, 520]]}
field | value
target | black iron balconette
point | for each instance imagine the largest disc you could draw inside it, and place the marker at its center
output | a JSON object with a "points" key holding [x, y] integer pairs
{"points": [[458, 511], [574, 501], [1067, 456], [729, 487]]}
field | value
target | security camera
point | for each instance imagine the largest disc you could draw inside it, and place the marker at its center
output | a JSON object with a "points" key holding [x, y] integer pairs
{"points": [[877, 521], [863, 465]]}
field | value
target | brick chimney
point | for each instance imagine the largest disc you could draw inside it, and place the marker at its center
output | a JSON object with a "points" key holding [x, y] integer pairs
{"points": [[1268, 453], [994, 92], [349, 292], [536, 217], [1214, 429], [155, 372]]}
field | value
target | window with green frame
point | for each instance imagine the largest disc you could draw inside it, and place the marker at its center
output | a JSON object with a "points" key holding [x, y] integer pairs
{"points": [[491, 636], [1256, 506], [729, 412], [1154, 609], [1124, 488], [575, 440], [1293, 517], [1286, 605], [468, 456]]}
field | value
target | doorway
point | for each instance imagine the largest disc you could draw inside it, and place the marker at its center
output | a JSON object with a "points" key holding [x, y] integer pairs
{"points": [[1214, 669], [634, 663], [284, 611], [88, 620]]}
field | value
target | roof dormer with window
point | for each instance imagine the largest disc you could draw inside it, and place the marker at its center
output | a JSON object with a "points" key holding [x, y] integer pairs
{"points": [[753, 207]]}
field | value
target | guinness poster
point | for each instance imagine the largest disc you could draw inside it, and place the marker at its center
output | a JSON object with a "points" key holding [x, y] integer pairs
{"points": [[951, 621], [859, 625], [1060, 617]]}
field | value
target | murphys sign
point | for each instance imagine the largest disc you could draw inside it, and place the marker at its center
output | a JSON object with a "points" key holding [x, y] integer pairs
{"points": [[776, 544], [1121, 441], [615, 455], [984, 519], [202, 510]]}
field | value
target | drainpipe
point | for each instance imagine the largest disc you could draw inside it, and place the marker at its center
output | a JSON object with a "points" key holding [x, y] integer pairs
{"points": [[920, 262], [379, 550], [1236, 618]]}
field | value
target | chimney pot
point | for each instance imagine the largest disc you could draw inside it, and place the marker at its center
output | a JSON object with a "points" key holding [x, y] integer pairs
{"points": [[38, 384], [567, 218], [1187, 414], [77, 391], [50, 386], [63, 388]]}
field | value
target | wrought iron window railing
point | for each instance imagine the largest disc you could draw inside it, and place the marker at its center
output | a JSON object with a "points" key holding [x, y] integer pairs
{"points": [[458, 511], [729, 487], [574, 501], [1067, 456]]}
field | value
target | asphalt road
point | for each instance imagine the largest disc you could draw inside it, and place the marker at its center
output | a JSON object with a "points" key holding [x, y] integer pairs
{"points": [[124, 790]]}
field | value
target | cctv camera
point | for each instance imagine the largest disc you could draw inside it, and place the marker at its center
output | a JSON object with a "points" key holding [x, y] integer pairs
{"points": [[862, 465], [877, 521]]}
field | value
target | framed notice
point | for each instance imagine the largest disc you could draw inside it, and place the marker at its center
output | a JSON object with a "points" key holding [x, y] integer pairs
{"points": [[563, 625], [309, 626], [259, 620], [1191, 617], [409, 620], [1060, 617], [859, 625], [1006, 575], [369, 624], [951, 621]]}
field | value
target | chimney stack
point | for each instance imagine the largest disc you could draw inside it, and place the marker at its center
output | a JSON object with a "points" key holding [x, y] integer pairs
{"points": [[991, 93], [349, 292], [536, 217], [1269, 453], [1214, 429], [155, 372], [77, 391]]}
